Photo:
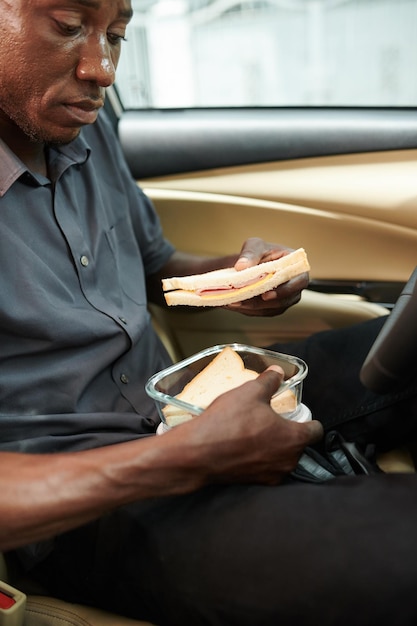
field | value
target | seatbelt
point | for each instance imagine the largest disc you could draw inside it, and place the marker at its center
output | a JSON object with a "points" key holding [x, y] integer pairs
{"points": [[12, 606]]}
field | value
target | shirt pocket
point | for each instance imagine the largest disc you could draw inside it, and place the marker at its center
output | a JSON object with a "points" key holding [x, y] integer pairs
{"points": [[128, 260]]}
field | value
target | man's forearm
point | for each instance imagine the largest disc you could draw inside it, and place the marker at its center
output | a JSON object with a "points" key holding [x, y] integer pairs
{"points": [[238, 438], [44, 495]]}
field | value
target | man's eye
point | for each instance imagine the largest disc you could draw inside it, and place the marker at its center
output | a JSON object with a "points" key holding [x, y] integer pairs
{"points": [[115, 38], [69, 29]]}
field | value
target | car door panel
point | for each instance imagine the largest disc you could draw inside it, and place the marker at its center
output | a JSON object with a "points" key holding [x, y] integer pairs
{"points": [[353, 221], [347, 195]]}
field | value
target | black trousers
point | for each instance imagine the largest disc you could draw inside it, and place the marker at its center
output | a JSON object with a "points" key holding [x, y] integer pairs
{"points": [[339, 553]]}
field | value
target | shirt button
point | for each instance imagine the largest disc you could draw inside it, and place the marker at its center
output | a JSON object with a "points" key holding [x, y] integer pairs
{"points": [[84, 260], [124, 379], [123, 320]]}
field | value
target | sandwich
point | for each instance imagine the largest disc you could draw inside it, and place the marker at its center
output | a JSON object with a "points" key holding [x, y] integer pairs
{"points": [[225, 372], [227, 286]]}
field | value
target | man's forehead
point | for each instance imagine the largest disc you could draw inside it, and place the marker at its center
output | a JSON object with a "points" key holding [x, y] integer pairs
{"points": [[123, 7]]}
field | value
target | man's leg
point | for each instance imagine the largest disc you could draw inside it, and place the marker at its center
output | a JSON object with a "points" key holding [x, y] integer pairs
{"points": [[340, 553], [336, 397]]}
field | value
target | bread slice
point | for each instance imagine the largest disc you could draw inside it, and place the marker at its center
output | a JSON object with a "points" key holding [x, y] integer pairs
{"points": [[226, 286], [284, 402], [225, 372]]}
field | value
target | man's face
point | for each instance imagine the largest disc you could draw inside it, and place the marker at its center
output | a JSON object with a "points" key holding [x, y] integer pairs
{"points": [[56, 59]]}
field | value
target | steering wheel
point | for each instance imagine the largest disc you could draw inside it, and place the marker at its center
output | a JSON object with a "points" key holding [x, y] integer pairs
{"points": [[392, 360]]}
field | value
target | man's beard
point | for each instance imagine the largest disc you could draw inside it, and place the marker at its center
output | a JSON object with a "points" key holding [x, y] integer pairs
{"points": [[25, 124], [36, 135]]}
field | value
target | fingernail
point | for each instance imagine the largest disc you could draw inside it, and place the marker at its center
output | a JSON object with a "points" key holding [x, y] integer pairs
{"points": [[269, 295], [243, 260]]}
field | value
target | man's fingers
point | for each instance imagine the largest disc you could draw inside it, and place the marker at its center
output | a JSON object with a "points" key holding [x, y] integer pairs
{"points": [[251, 253], [256, 250], [271, 379], [288, 292], [315, 431]]}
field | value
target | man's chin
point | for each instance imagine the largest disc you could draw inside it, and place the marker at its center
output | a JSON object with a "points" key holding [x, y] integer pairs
{"points": [[64, 141], [55, 139]]}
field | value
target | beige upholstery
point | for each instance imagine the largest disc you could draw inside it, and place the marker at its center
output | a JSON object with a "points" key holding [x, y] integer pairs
{"points": [[345, 210], [184, 333], [397, 461], [44, 611]]}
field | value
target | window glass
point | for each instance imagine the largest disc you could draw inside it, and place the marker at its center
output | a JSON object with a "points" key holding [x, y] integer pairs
{"points": [[208, 53]]}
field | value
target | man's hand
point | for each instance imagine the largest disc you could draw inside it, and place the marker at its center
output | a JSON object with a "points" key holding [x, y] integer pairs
{"points": [[239, 438], [278, 300]]}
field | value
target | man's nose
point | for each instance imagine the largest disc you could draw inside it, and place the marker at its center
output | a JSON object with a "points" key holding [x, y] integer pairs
{"points": [[96, 63]]}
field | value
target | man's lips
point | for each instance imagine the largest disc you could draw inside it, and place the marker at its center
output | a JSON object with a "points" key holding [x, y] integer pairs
{"points": [[84, 111]]}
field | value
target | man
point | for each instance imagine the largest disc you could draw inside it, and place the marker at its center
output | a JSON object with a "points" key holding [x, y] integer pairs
{"points": [[183, 528]]}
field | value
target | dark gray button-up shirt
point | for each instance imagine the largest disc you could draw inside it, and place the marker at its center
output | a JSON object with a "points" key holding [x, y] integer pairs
{"points": [[76, 342]]}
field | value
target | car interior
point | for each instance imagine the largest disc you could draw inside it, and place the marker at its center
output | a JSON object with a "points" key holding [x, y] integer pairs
{"points": [[338, 181], [348, 200]]}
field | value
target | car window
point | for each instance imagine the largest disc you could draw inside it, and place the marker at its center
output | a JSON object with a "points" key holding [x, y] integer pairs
{"points": [[224, 53]]}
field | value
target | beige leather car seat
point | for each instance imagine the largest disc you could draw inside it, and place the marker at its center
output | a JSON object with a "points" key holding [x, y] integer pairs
{"points": [[45, 611], [38, 610]]}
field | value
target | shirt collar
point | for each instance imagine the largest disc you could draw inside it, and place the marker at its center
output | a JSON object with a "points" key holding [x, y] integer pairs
{"points": [[11, 167]]}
